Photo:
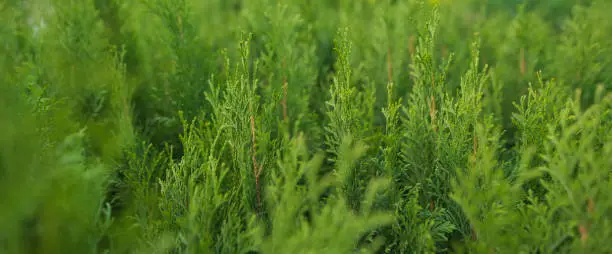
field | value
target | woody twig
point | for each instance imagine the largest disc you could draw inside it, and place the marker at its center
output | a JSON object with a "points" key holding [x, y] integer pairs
{"points": [[256, 168]]}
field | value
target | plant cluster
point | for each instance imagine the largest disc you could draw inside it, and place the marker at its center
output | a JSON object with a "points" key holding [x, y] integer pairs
{"points": [[294, 126]]}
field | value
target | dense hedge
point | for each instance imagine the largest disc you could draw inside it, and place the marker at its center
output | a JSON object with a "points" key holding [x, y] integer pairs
{"points": [[295, 126]]}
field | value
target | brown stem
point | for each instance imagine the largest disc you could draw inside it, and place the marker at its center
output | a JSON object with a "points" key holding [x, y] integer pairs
{"points": [[584, 233], [284, 102], [474, 234], [411, 45], [285, 86], [432, 113], [432, 106], [256, 169]]}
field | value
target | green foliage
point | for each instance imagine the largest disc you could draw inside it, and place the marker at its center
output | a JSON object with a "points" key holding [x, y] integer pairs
{"points": [[294, 126], [330, 225]]}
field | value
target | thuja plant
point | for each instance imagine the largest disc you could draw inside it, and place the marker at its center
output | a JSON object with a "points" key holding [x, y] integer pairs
{"points": [[349, 114], [238, 109], [302, 222], [581, 42], [196, 196], [573, 174], [577, 161], [171, 54], [288, 67], [382, 38], [410, 197], [488, 198], [536, 111], [75, 116]]}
